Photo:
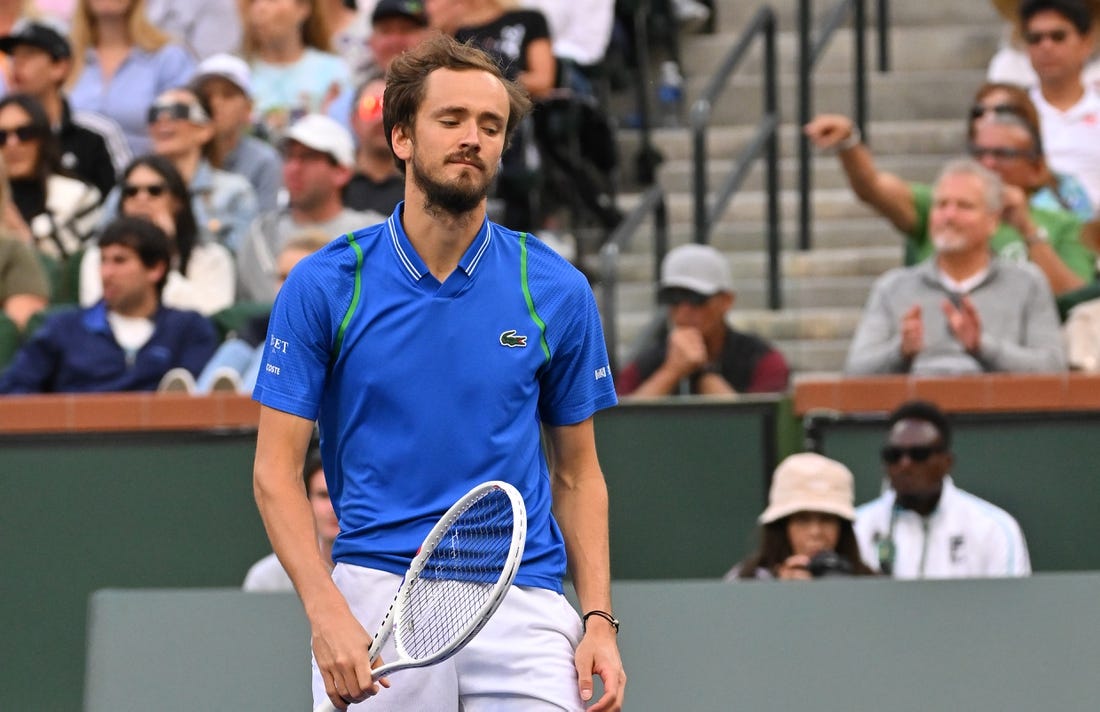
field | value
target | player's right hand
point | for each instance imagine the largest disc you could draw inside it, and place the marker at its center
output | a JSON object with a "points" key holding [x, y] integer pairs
{"points": [[341, 647]]}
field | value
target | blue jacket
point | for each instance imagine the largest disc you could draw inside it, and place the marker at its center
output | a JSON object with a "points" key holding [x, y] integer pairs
{"points": [[75, 351]]}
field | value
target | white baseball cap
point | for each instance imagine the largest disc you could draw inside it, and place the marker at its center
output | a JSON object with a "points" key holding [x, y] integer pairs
{"points": [[226, 66], [808, 482], [696, 268], [324, 134]]}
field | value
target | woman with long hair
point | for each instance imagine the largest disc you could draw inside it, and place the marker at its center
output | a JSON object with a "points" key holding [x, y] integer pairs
{"points": [[1009, 104], [294, 72], [202, 275], [61, 212], [121, 62], [806, 530]]}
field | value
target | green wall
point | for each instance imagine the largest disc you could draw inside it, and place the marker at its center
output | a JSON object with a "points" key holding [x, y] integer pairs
{"points": [[108, 510], [686, 479]]}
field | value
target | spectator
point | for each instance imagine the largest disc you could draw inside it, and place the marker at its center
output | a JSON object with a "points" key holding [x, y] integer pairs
{"points": [[24, 288], [924, 527], [121, 62], [224, 83], [223, 203], [519, 41], [396, 25], [268, 574], [40, 63], [11, 12], [201, 275], [701, 354], [318, 159], [1049, 239], [377, 184], [1060, 36], [61, 212], [128, 341], [1047, 190], [1010, 65], [205, 27], [235, 366], [293, 71], [964, 311], [348, 33], [806, 531], [579, 32]]}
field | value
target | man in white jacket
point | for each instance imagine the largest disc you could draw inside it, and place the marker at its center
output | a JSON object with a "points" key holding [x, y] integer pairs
{"points": [[926, 527]]}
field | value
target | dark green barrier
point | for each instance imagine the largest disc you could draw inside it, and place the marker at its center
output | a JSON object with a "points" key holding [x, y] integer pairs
{"points": [[109, 510], [1042, 468], [85, 512], [687, 479]]}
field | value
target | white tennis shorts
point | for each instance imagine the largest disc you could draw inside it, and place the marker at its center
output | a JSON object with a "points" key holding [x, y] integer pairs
{"points": [[521, 661]]}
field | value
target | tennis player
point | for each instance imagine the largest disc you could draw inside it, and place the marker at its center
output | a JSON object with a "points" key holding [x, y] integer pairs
{"points": [[433, 349]]}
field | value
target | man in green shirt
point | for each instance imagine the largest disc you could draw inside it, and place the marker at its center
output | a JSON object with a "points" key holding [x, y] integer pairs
{"points": [[1051, 240]]}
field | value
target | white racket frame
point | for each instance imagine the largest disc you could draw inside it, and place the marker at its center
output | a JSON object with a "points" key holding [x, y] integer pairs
{"points": [[431, 541]]}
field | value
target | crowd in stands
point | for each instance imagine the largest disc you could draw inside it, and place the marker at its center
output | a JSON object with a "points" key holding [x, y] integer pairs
{"points": [[242, 131]]}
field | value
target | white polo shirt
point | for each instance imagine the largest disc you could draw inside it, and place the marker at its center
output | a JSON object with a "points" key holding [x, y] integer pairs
{"points": [[964, 537], [1071, 139]]}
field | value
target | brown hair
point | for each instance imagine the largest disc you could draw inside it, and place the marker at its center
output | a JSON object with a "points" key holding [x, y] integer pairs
{"points": [[315, 30], [83, 33], [409, 72], [775, 548]]}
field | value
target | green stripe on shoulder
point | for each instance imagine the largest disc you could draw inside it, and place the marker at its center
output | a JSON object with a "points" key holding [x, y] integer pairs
{"points": [[354, 295], [527, 296]]}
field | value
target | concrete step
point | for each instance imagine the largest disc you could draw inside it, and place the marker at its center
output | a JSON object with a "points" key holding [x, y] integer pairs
{"points": [[886, 138], [904, 94], [952, 47], [848, 291], [733, 15], [751, 264], [678, 176]]}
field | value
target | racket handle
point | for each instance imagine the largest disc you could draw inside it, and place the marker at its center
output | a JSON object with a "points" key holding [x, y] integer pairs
{"points": [[325, 706]]}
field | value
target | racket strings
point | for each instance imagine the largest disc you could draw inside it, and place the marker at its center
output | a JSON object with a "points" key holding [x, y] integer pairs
{"points": [[458, 578]]}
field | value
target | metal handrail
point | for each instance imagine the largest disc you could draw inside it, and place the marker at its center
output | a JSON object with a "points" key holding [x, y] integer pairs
{"points": [[765, 140], [652, 201], [810, 51]]}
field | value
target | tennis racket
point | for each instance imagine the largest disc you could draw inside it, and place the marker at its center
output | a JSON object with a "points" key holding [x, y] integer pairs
{"points": [[456, 581]]}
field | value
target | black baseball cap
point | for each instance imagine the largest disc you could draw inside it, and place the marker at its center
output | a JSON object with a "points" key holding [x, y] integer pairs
{"points": [[37, 34], [412, 9]]}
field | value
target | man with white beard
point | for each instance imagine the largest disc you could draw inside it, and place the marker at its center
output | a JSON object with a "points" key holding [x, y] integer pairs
{"points": [[965, 310]]}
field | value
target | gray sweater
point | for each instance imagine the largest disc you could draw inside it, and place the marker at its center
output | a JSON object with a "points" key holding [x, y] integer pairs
{"points": [[1020, 326]]}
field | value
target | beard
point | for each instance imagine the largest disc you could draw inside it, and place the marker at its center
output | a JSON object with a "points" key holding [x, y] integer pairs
{"points": [[455, 197], [948, 242]]}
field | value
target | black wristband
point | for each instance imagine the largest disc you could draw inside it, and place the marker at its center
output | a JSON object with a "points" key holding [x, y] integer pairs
{"points": [[602, 614]]}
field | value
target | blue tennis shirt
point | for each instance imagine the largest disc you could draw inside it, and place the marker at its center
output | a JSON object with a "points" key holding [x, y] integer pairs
{"points": [[423, 389]]}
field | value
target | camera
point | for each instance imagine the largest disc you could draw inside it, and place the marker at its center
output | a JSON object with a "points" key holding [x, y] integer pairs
{"points": [[829, 563]]}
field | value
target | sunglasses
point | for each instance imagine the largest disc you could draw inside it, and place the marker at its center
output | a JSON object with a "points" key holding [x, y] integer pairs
{"points": [[155, 190], [979, 110], [1002, 153], [1055, 36], [675, 296], [369, 108], [22, 134], [177, 110], [892, 454]]}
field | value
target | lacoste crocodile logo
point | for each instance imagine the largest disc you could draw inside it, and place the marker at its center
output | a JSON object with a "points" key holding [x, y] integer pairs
{"points": [[512, 340]]}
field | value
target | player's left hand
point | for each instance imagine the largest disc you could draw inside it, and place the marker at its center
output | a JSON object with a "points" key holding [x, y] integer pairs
{"points": [[598, 654]]}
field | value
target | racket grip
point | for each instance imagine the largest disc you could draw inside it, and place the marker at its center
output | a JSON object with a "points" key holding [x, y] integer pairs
{"points": [[325, 706]]}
